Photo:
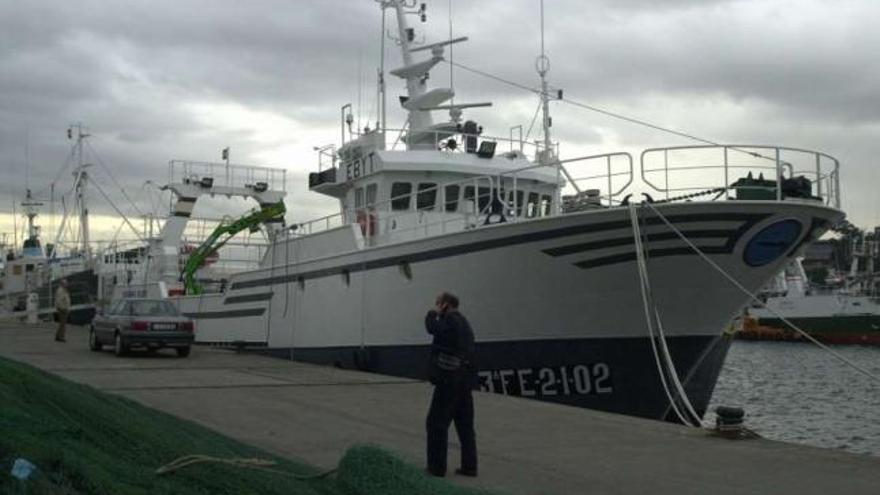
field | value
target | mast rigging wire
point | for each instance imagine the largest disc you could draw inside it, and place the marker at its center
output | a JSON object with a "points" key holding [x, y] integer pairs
{"points": [[124, 218], [112, 178], [609, 113], [534, 119], [584, 105]]}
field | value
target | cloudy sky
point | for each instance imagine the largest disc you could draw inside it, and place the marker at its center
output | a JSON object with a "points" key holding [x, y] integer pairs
{"points": [[159, 80]]}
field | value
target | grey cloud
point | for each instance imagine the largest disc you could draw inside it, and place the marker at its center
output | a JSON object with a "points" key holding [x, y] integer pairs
{"points": [[132, 70]]}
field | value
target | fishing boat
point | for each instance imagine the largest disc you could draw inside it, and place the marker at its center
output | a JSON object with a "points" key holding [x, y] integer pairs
{"points": [[581, 291], [847, 314], [32, 272]]}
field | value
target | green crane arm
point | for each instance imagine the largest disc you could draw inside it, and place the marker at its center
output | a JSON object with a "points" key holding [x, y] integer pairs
{"points": [[214, 241]]}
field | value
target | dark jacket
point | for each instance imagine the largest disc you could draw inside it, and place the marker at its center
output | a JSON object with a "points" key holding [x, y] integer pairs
{"points": [[452, 336]]}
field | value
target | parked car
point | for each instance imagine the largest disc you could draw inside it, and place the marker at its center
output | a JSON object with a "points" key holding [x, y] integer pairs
{"points": [[143, 323]]}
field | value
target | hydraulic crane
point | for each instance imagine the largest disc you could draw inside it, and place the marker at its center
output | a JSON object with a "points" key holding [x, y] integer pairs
{"points": [[220, 236]]}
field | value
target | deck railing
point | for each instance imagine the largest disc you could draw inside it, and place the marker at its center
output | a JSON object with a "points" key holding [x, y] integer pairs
{"points": [[514, 144], [718, 169], [226, 175]]}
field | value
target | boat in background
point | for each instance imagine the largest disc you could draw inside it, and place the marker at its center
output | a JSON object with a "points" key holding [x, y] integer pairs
{"points": [[32, 273], [847, 312]]}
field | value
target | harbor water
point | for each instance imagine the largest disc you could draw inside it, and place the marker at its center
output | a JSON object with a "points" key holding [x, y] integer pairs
{"points": [[798, 392]]}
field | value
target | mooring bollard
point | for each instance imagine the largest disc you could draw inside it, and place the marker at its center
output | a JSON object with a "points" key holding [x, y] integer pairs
{"points": [[729, 421], [32, 305]]}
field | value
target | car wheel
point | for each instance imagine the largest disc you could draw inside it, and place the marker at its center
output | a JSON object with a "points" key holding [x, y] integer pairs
{"points": [[183, 351], [118, 348], [93, 340]]}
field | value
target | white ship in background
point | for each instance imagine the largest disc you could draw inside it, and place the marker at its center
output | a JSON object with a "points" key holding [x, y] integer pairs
{"points": [[99, 269], [550, 283], [844, 312]]}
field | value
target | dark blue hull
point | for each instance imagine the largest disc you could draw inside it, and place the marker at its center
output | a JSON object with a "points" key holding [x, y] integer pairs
{"points": [[616, 375]]}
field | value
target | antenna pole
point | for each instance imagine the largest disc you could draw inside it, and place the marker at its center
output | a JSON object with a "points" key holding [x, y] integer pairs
{"points": [[360, 88], [14, 226], [382, 106], [451, 48], [418, 119], [81, 182], [542, 65]]}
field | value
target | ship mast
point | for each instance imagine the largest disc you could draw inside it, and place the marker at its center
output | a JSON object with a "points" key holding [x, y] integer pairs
{"points": [[30, 210], [547, 156], [81, 179], [382, 104], [542, 65], [415, 82]]}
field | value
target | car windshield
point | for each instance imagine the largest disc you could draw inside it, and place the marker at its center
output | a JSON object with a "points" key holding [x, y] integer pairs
{"points": [[152, 308]]}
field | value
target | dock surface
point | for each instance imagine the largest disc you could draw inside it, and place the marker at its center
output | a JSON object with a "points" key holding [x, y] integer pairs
{"points": [[315, 413]]}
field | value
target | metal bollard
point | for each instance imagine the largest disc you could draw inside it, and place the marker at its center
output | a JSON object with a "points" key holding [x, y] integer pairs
{"points": [[729, 421]]}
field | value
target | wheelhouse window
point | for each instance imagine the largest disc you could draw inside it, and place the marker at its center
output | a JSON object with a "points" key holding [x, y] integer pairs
{"points": [[372, 190], [483, 196], [546, 202], [359, 198], [400, 195], [451, 198], [427, 196], [518, 196], [532, 205]]}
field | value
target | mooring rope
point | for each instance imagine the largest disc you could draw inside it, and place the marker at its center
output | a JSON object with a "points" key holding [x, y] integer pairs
{"points": [[648, 304], [755, 298], [663, 342], [252, 463]]}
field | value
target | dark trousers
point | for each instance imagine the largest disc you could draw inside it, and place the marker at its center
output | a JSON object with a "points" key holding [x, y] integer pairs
{"points": [[452, 402], [60, 334]]}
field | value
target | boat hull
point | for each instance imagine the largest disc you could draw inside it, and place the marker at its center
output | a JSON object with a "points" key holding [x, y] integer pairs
{"points": [[83, 289], [558, 294], [835, 329], [829, 318], [614, 375]]}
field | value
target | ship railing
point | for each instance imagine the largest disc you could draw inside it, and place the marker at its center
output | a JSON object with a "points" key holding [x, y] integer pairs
{"points": [[226, 175], [122, 253], [749, 171], [513, 145], [504, 195], [245, 249], [615, 173], [327, 156]]}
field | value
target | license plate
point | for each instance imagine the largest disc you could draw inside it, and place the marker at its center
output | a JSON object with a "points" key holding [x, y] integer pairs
{"points": [[164, 326]]}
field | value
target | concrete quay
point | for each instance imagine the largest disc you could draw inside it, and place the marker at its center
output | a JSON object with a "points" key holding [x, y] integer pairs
{"points": [[314, 413]]}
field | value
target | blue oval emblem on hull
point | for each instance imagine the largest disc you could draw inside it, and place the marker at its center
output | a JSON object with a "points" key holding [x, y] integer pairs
{"points": [[772, 242]]}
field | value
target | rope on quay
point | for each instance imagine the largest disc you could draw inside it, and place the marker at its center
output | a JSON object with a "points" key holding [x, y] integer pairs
{"points": [[755, 298], [252, 463]]}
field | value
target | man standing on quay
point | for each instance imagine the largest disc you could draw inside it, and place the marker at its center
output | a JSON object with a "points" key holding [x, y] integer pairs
{"points": [[62, 309], [453, 373]]}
